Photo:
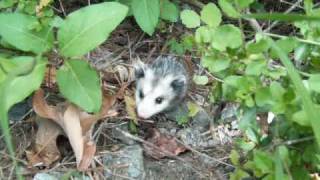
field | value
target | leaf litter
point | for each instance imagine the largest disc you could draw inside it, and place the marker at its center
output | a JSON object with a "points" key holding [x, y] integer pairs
{"points": [[66, 119]]}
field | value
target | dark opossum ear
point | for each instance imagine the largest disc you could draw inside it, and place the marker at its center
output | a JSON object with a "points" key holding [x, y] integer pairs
{"points": [[178, 83], [139, 69]]}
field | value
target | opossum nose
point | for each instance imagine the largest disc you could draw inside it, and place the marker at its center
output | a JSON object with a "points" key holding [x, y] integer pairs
{"points": [[142, 115]]}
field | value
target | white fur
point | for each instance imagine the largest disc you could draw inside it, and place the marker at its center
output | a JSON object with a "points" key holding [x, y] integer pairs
{"points": [[147, 106]]}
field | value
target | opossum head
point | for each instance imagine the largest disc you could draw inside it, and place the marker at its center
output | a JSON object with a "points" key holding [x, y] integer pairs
{"points": [[159, 90]]}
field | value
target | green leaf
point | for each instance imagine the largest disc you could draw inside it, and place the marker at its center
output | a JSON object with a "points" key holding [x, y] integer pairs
{"points": [[314, 83], [244, 3], [88, 27], [228, 8], [234, 157], [146, 13], [226, 36], [190, 18], [256, 67], [169, 11], [203, 35], [14, 89], [309, 107], [215, 65], [16, 30], [193, 109], [260, 46], [301, 118], [211, 15], [200, 80], [263, 161], [287, 45], [263, 97], [7, 3], [80, 84]]}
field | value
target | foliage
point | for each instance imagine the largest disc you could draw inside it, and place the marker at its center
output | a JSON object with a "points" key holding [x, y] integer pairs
{"points": [[259, 74], [29, 30]]}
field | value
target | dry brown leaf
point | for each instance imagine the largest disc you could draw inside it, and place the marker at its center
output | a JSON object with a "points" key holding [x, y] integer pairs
{"points": [[131, 108], [164, 145], [72, 127], [45, 151], [76, 124], [88, 154], [42, 108]]}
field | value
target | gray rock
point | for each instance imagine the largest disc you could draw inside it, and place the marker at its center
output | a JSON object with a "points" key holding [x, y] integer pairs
{"points": [[127, 162], [180, 111], [229, 112], [193, 138], [201, 120]]}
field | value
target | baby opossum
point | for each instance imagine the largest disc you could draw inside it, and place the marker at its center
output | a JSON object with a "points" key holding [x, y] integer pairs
{"points": [[160, 86]]}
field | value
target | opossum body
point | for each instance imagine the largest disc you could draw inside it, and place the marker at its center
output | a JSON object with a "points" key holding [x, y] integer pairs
{"points": [[160, 86]]}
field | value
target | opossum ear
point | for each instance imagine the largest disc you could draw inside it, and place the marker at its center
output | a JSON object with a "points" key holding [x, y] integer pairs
{"points": [[178, 83], [139, 69]]}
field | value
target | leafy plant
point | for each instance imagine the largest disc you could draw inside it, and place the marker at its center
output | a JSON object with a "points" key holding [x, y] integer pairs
{"points": [[259, 74], [79, 33], [148, 13]]}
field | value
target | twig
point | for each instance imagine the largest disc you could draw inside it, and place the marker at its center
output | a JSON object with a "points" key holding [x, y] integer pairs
{"points": [[286, 12], [62, 8]]}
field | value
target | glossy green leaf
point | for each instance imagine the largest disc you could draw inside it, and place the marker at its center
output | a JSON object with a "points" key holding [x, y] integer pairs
{"points": [[88, 27], [211, 15], [146, 13], [16, 30], [169, 11], [80, 84], [190, 18], [226, 36]]}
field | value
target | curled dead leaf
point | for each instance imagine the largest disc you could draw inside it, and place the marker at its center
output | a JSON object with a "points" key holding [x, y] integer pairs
{"points": [[162, 145], [44, 150], [76, 124]]}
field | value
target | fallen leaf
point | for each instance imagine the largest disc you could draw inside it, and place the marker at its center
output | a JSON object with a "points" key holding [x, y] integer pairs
{"points": [[162, 145], [76, 124], [41, 107], [45, 151], [131, 108]]}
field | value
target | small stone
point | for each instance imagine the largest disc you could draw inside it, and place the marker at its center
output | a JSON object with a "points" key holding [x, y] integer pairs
{"points": [[127, 162], [201, 120]]}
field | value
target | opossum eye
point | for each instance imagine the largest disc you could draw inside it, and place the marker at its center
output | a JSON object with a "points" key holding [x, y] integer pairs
{"points": [[159, 100], [141, 95]]}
